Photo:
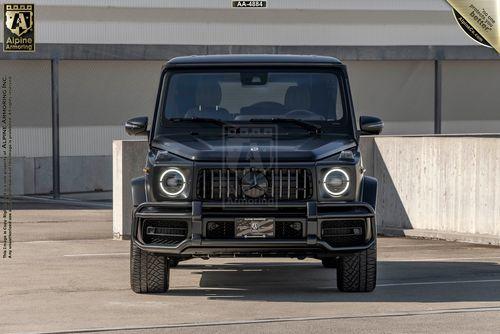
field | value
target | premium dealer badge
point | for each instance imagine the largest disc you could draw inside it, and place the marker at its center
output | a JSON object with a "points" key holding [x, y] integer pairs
{"points": [[19, 28], [479, 19]]}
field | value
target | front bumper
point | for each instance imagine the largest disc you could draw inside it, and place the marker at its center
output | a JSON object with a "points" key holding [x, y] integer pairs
{"points": [[312, 241]]}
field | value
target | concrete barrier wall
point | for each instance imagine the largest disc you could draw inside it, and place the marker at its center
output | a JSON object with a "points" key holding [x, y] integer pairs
{"points": [[129, 157], [431, 186], [447, 187]]}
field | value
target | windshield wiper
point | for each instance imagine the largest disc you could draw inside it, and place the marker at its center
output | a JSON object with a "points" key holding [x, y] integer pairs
{"points": [[201, 120], [314, 128]]}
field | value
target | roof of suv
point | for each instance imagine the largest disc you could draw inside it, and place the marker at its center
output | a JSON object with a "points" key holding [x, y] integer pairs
{"points": [[251, 59]]}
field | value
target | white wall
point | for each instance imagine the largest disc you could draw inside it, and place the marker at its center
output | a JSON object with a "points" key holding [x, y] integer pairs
{"points": [[31, 99], [96, 99], [471, 96], [399, 92]]}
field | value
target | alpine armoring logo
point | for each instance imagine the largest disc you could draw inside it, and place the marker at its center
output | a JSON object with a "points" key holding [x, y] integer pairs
{"points": [[19, 28]]}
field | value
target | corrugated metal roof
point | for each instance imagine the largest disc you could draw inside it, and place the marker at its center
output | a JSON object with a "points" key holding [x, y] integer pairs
{"points": [[379, 5], [214, 22]]}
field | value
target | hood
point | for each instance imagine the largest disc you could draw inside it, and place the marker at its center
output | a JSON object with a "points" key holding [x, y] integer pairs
{"points": [[242, 149]]}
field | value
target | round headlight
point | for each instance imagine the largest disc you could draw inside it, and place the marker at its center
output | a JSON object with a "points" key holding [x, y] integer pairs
{"points": [[336, 182], [172, 182]]}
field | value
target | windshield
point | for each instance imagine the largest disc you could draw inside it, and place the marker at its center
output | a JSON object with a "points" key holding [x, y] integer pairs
{"points": [[244, 96]]}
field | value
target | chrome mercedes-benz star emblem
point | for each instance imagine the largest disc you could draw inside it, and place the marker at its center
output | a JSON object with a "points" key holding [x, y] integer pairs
{"points": [[254, 184]]}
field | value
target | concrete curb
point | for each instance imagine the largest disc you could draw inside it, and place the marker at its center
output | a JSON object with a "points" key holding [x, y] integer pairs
{"points": [[473, 238]]}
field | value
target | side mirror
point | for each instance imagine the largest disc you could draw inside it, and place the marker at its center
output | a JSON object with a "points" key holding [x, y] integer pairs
{"points": [[137, 126], [370, 125]]}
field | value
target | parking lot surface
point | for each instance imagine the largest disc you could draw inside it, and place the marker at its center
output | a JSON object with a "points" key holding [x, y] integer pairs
{"points": [[83, 285]]}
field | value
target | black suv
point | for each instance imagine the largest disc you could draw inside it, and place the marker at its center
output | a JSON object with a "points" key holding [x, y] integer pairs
{"points": [[254, 155]]}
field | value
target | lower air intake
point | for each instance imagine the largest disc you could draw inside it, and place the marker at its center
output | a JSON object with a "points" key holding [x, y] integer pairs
{"points": [[339, 233], [288, 230], [164, 232], [220, 230]]}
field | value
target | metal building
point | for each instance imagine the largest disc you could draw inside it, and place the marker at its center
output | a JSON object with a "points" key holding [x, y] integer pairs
{"points": [[409, 64]]}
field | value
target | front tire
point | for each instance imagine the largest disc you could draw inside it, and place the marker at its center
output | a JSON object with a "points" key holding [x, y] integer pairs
{"points": [[358, 272], [149, 273]]}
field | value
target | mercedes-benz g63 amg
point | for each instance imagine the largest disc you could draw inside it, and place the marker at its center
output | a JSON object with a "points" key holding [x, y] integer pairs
{"points": [[254, 155]]}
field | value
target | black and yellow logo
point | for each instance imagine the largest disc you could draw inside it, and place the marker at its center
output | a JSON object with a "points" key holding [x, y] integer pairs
{"points": [[19, 28]]}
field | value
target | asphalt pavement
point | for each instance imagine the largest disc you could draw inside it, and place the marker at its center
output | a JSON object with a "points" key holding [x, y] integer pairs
{"points": [[81, 284]]}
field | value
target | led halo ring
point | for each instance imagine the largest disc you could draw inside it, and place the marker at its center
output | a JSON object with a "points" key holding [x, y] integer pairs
{"points": [[339, 193], [172, 170]]}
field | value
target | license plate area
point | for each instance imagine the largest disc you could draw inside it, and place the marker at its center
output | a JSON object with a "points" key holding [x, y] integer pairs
{"points": [[254, 227]]}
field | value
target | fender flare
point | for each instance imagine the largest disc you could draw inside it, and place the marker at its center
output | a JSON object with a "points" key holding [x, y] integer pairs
{"points": [[369, 191], [138, 190]]}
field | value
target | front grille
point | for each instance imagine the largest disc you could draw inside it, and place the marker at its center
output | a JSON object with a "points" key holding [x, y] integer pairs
{"points": [[282, 184], [343, 232], [164, 232], [288, 230]]}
